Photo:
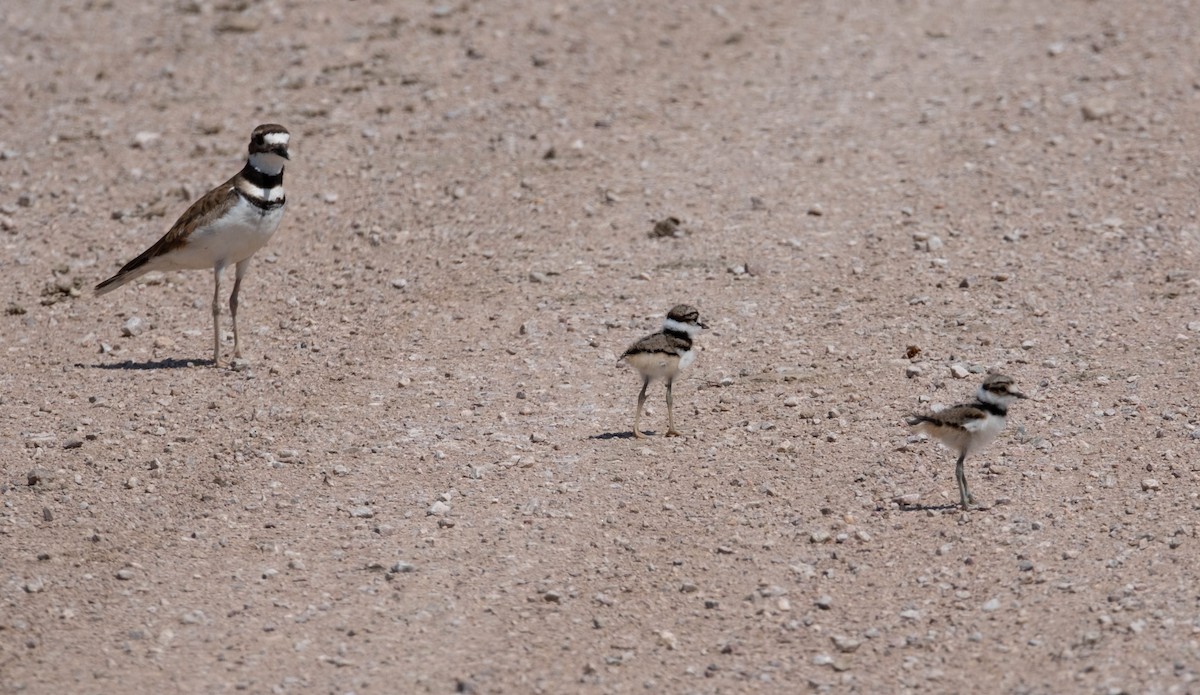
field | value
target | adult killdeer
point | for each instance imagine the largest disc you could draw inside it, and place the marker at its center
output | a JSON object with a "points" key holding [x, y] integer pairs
{"points": [[224, 227], [662, 355], [969, 427]]}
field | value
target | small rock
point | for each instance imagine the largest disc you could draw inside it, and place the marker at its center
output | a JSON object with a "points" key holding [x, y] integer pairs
{"points": [[133, 327], [362, 512], [1151, 484], [438, 508], [667, 639], [959, 372], [846, 645], [144, 139], [552, 596], [912, 371], [669, 227], [991, 605], [195, 617], [125, 574], [819, 536], [403, 567], [1098, 109], [908, 499], [536, 277], [791, 402], [824, 602], [38, 476]]}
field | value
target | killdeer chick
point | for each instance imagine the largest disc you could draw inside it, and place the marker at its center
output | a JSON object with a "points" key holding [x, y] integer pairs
{"points": [[224, 227], [663, 355], [969, 427]]}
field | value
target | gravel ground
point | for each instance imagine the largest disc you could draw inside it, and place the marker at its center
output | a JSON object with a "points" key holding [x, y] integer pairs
{"points": [[422, 479]]}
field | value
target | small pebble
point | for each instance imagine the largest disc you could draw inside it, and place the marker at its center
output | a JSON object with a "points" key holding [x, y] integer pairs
{"points": [[438, 508], [133, 327], [1151, 484], [124, 574]]}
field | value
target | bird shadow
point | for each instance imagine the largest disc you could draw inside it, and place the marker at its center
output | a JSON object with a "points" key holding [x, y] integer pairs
{"points": [[615, 435], [168, 363], [930, 507]]}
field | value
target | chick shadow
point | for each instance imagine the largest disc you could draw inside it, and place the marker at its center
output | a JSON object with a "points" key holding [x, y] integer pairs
{"points": [[168, 363]]}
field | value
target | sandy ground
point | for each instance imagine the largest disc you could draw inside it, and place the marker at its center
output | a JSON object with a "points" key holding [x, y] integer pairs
{"points": [[422, 480]]}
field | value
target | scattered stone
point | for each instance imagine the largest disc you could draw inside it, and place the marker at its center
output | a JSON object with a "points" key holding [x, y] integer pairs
{"points": [[791, 402], [144, 139], [669, 227], [552, 596], [438, 508], [667, 639], [959, 372], [195, 617], [991, 605], [819, 536], [912, 371], [125, 574], [403, 567], [72, 443], [35, 585], [536, 277], [846, 645], [1098, 109], [908, 499], [38, 476], [1151, 484], [362, 512], [824, 602], [133, 327]]}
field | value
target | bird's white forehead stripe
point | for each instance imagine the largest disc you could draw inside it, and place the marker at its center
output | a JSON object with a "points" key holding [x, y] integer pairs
{"points": [[276, 138]]}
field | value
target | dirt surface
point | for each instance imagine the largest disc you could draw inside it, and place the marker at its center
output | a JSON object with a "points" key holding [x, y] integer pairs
{"points": [[422, 480]]}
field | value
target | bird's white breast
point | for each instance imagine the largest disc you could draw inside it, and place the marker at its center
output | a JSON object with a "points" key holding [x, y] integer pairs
{"points": [[230, 239]]}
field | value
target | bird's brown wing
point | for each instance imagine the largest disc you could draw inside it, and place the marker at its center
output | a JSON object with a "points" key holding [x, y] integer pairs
{"points": [[656, 343], [199, 214], [959, 417]]}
